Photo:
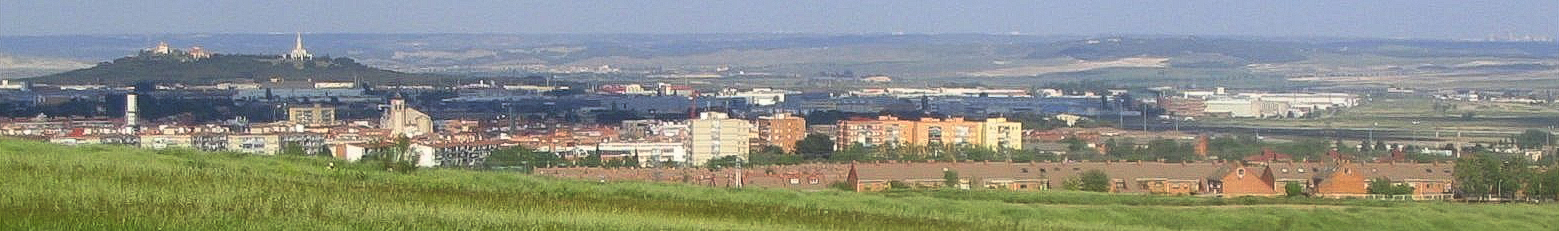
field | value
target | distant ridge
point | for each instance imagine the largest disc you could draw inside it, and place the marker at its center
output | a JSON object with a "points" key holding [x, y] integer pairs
{"points": [[174, 68]]}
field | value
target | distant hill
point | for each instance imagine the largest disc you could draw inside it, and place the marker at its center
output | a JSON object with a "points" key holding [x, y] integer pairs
{"points": [[224, 67]]}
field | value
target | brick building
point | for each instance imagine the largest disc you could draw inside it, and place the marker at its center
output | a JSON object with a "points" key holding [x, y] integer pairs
{"points": [[782, 130], [1243, 180]]}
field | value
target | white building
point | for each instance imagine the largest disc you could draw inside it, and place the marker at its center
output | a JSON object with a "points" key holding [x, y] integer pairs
{"points": [[1238, 108], [298, 53], [758, 96], [1319, 101], [647, 152], [326, 85]]}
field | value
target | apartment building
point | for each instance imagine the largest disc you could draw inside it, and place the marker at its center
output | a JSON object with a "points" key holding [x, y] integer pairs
{"points": [[884, 130], [311, 115], [717, 135], [782, 130]]}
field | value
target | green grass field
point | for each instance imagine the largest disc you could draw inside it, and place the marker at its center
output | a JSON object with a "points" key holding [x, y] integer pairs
{"points": [[49, 187], [1417, 114]]}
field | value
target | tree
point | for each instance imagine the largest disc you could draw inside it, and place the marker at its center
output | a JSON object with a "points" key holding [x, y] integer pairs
{"points": [[1095, 181], [1544, 185], [856, 152], [815, 147], [722, 162], [1383, 186], [1534, 139], [979, 153], [592, 160], [1484, 174], [293, 149], [632, 161], [1074, 144], [950, 179], [514, 157], [1293, 189], [1072, 183]]}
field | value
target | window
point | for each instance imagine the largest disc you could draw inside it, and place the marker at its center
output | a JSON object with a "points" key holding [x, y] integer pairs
{"points": [[1241, 172], [1024, 170]]}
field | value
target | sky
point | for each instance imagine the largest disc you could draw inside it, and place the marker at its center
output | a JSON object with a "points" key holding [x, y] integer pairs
{"points": [[1442, 19]]}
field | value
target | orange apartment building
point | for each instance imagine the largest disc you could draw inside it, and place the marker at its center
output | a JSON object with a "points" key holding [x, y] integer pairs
{"points": [[782, 130], [885, 130]]}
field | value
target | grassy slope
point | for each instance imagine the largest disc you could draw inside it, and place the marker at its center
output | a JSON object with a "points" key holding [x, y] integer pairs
{"points": [[1400, 112], [99, 187]]}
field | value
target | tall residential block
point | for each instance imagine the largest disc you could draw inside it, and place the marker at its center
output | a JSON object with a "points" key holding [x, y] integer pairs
{"points": [[782, 130], [132, 112], [716, 135], [311, 115]]}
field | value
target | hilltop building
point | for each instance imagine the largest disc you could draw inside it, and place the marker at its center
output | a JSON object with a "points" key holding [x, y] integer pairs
{"points": [[162, 49]]}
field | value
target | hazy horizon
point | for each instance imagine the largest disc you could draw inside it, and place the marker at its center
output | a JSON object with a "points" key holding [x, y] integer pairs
{"points": [[1379, 19]]}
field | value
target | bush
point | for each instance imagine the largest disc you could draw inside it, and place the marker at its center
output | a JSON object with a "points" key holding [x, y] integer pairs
{"points": [[950, 179], [1095, 181], [898, 185], [1294, 189], [1383, 186], [842, 186]]}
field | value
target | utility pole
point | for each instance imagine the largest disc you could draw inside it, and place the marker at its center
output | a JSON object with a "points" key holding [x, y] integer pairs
{"points": [[1144, 117], [738, 172]]}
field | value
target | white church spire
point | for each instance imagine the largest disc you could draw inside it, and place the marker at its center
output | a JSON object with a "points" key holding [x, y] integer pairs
{"points": [[297, 50]]}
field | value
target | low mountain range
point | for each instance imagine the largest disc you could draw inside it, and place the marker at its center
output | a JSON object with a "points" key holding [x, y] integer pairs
{"points": [[910, 56]]}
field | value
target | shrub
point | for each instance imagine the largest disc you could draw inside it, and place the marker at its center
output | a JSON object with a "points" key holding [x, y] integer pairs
{"points": [[842, 186], [1095, 181], [1294, 189]]}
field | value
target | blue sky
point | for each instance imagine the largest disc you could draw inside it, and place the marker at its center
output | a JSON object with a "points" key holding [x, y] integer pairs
{"points": [[1447, 19]]}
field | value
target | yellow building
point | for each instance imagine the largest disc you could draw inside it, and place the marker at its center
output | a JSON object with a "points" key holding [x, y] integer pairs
{"points": [[716, 135], [999, 133]]}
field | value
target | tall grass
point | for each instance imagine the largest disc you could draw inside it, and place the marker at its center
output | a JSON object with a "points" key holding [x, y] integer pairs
{"points": [[48, 187]]}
